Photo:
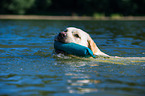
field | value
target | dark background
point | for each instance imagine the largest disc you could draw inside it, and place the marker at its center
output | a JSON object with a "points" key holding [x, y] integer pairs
{"points": [[73, 7]]}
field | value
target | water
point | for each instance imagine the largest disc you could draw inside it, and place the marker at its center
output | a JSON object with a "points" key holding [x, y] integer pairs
{"points": [[28, 66]]}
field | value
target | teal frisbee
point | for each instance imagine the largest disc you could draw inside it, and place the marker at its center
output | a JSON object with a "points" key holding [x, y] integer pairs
{"points": [[74, 49]]}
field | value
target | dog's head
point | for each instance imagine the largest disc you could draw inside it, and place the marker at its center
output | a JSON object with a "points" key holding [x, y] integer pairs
{"points": [[78, 36]]}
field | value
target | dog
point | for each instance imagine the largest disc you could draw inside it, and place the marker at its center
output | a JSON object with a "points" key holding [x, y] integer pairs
{"points": [[78, 36]]}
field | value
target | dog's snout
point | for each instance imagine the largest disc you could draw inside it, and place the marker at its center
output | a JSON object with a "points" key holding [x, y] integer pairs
{"points": [[62, 34]]}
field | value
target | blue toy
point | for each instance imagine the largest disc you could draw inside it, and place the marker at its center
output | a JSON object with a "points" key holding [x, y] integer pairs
{"points": [[74, 49]]}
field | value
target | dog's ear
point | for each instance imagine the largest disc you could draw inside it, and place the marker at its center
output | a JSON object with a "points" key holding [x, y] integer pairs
{"points": [[92, 45]]}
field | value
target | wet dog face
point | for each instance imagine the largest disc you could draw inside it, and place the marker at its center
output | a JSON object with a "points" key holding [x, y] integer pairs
{"points": [[73, 35]]}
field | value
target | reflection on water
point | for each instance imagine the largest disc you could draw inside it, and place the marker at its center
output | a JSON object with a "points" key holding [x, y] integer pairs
{"points": [[80, 83], [28, 66]]}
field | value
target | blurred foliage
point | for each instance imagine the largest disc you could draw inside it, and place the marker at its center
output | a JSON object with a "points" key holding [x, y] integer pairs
{"points": [[15, 6], [74, 7]]}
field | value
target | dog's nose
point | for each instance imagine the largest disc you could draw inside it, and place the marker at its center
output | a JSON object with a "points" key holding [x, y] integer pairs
{"points": [[62, 34]]}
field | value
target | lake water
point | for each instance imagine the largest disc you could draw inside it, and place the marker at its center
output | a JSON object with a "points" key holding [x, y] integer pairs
{"points": [[28, 66]]}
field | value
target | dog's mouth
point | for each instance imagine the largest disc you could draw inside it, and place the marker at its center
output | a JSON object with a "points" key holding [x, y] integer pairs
{"points": [[61, 37]]}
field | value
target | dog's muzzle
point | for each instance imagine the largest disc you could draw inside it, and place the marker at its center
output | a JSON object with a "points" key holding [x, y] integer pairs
{"points": [[61, 36]]}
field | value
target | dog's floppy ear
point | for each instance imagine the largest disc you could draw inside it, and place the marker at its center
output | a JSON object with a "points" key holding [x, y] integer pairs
{"points": [[92, 45], [94, 48]]}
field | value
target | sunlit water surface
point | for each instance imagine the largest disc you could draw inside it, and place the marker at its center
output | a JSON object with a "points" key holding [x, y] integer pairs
{"points": [[28, 66]]}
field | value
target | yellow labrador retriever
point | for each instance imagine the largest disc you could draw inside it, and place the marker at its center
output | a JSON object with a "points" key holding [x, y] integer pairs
{"points": [[78, 36]]}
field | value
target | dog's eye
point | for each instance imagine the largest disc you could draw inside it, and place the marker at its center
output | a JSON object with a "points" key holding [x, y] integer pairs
{"points": [[76, 35]]}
